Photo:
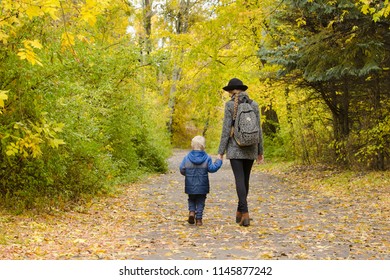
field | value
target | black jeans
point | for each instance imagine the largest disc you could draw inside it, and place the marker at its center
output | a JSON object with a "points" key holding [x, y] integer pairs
{"points": [[242, 171]]}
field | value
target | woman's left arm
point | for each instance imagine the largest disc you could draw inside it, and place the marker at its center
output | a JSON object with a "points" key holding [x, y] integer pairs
{"points": [[260, 145]]}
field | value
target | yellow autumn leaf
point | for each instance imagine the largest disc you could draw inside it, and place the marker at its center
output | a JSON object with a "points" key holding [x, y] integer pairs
{"points": [[30, 56], [11, 151], [51, 7], [33, 11], [300, 22], [89, 17], [3, 96], [89, 12], [299, 228], [79, 240], [54, 143], [261, 199], [67, 40], [22, 54], [59, 127], [36, 44], [27, 53], [82, 38], [266, 255], [132, 242], [3, 37]]}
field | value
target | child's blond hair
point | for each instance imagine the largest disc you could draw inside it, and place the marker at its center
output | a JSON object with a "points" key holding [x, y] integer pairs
{"points": [[198, 143]]}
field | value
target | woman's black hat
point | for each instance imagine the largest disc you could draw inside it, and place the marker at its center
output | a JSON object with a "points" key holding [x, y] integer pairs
{"points": [[235, 84]]}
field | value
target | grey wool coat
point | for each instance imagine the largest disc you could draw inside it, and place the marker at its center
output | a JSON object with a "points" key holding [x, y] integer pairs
{"points": [[227, 144]]}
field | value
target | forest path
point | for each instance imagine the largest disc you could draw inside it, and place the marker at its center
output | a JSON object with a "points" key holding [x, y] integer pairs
{"points": [[149, 221]]}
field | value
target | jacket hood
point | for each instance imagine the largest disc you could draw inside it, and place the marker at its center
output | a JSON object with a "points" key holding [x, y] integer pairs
{"points": [[197, 157]]}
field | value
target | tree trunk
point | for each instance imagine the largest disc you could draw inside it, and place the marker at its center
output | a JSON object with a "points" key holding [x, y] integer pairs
{"points": [[288, 108], [271, 124], [338, 103], [172, 97], [147, 22], [181, 26], [380, 156]]}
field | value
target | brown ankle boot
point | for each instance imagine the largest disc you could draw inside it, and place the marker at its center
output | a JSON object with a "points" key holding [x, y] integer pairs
{"points": [[191, 218], [199, 222], [238, 217], [245, 220]]}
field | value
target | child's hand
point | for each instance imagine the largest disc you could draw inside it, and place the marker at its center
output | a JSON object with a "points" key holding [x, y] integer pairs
{"points": [[220, 157]]}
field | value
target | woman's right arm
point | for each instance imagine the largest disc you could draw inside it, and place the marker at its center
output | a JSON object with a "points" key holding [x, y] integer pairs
{"points": [[226, 128]]}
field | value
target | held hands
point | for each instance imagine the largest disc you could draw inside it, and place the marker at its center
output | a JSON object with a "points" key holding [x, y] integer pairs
{"points": [[220, 157], [260, 159]]}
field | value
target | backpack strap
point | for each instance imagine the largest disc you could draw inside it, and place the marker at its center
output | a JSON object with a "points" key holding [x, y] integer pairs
{"points": [[234, 113]]}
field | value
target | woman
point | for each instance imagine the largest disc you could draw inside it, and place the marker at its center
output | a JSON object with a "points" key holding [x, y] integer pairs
{"points": [[241, 157]]}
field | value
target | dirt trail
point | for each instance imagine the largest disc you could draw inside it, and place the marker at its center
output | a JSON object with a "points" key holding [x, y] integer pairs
{"points": [[148, 221], [287, 223]]}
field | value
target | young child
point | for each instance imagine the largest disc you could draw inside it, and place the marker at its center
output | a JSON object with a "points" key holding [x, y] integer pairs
{"points": [[195, 167]]}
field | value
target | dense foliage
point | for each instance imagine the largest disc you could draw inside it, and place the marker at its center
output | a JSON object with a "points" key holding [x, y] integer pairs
{"points": [[340, 53], [77, 117]]}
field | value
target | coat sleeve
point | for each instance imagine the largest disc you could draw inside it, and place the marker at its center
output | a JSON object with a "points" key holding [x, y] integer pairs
{"points": [[182, 167], [213, 167], [226, 128]]}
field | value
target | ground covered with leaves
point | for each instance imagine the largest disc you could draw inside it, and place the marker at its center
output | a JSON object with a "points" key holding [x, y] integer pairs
{"points": [[296, 214]]}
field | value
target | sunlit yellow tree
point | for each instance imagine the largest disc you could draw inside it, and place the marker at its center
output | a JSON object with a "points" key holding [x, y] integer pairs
{"points": [[74, 117]]}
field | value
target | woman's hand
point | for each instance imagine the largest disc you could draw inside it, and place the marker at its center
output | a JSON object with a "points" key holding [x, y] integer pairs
{"points": [[260, 159], [220, 157]]}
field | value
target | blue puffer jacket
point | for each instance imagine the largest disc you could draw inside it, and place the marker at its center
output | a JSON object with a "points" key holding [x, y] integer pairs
{"points": [[195, 166]]}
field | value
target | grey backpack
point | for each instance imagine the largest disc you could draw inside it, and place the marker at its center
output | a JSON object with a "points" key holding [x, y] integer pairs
{"points": [[245, 125]]}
